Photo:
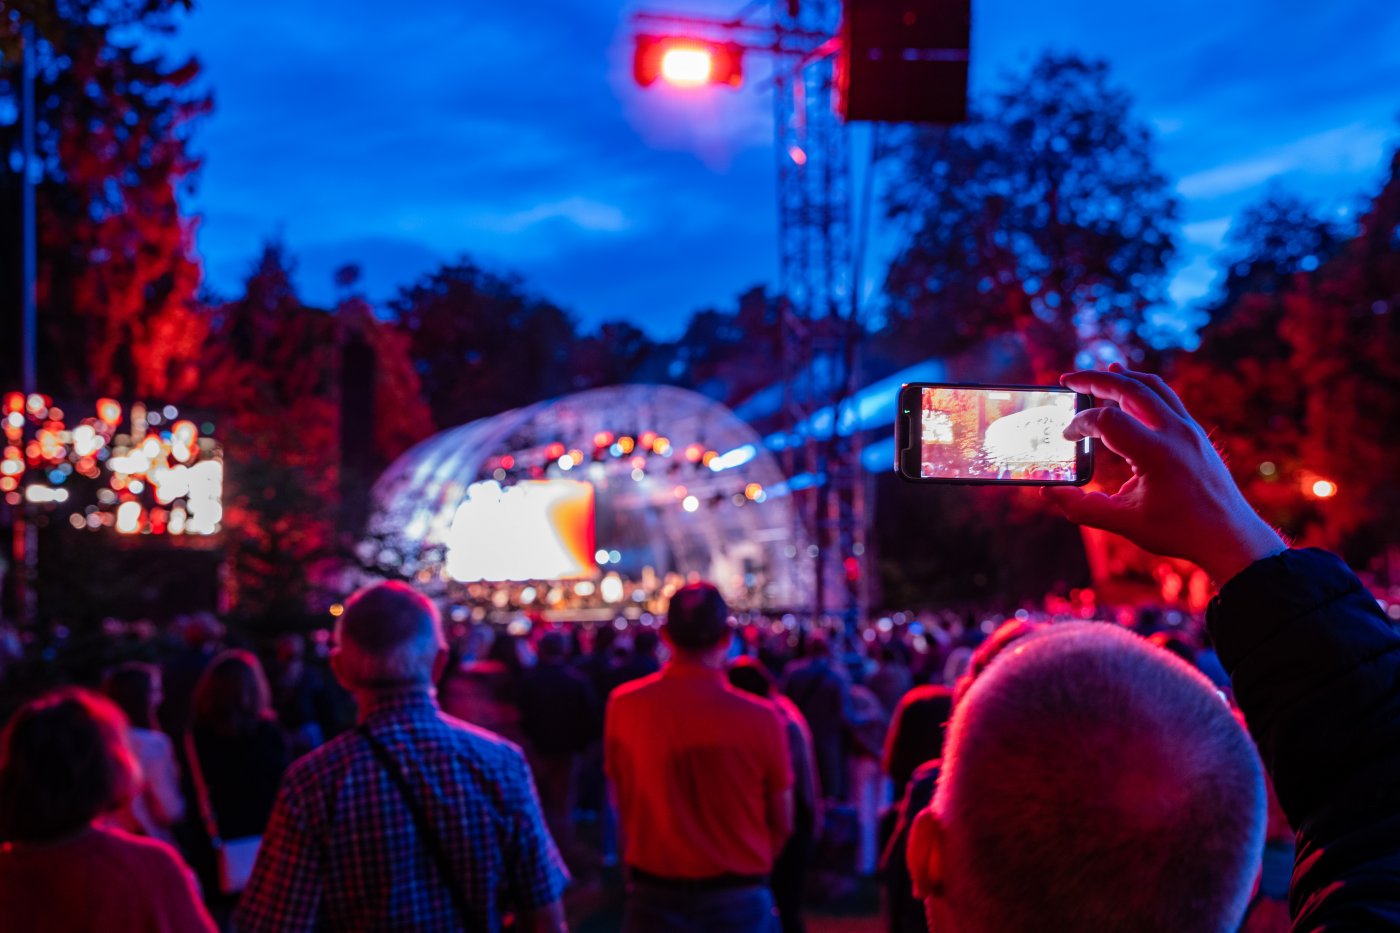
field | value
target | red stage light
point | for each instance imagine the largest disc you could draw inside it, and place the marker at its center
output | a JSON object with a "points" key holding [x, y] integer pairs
{"points": [[686, 67], [685, 62], [14, 401], [507, 462]]}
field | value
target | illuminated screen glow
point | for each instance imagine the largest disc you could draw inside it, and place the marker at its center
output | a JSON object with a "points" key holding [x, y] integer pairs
{"points": [[996, 434], [686, 67], [533, 530]]}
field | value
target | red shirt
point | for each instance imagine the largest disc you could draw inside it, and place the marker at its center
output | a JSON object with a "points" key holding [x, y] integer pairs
{"points": [[695, 764], [101, 881]]}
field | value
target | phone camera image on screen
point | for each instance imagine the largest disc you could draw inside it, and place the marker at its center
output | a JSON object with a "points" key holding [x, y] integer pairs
{"points": [[996, 435]]}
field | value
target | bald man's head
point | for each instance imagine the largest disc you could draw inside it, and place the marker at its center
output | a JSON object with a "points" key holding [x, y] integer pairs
{"points": [[1092, 782], [389, 635]]}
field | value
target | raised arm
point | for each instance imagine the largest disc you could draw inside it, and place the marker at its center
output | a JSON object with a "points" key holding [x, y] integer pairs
{"points": [[1314, 662]]}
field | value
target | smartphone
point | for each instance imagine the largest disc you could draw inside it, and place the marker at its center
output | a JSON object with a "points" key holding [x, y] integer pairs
{"points": [[990, 434]]}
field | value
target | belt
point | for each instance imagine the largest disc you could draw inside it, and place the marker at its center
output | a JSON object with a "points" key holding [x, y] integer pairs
{"points": [[712, 883]]}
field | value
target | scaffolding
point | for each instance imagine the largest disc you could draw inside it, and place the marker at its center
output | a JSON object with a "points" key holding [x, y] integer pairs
{"points": [[821, 327], [818, 285]]}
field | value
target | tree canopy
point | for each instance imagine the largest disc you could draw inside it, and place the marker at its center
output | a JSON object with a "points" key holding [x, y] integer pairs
{"points": [[1044, 216]]}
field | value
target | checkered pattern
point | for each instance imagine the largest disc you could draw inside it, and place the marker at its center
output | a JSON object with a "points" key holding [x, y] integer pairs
{"points": [[341, 851]]}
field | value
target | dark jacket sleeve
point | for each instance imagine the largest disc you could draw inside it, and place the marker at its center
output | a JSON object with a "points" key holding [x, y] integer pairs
{"points": [[1315, 666]]}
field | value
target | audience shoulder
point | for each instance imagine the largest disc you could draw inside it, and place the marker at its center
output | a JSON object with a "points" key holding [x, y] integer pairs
{"points": [[152, 855], [484, 741], [622, 691]]}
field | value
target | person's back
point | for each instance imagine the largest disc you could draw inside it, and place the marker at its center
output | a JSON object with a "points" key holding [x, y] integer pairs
{"points": [[102, 880], [703, 781], [558, 705], [822, 695], [892, 680], [377, 871], [708, 766], [240, 753], [65, 767], [413, 820]]}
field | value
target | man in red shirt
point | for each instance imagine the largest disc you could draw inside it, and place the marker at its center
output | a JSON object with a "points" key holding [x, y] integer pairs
{"points": [[703, 783]]}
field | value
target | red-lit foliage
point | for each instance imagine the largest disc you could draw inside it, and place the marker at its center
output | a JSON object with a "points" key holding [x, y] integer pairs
{"points": [[117, 271], [1301, 382]]}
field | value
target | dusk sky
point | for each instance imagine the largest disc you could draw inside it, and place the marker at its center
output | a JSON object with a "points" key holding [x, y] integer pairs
{"points": [[401, 136]]}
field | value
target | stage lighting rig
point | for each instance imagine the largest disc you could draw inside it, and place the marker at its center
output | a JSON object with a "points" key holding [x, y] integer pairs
{"points": [[686, 62], [834, 62]]}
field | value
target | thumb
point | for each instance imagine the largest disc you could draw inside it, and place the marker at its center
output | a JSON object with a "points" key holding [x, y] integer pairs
{"points": [[1087, 508]]}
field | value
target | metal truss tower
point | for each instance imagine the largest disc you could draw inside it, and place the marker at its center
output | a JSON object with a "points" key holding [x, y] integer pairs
{"points": [[818, 272], [821, 326]]}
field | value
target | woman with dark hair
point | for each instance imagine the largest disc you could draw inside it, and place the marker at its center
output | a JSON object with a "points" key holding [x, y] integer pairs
{"points": [[158, 804], [64, 764], [237, 753], [916, 733], [790, 868]]}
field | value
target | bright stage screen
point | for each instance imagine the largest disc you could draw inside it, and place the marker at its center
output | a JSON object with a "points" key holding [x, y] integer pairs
{"points": [[532, 530]]}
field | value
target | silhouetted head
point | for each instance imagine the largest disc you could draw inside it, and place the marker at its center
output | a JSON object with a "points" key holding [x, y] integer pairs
{"points": [[64, 761], [232, 694], [389, 635], [604, 637], [916, 732], [553, 648], [748, 675], [135, 688], [697, 619], [645, 642], [1090, 782]]}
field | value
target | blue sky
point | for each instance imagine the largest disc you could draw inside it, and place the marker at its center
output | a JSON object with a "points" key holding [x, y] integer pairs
{"points": [[403, 136]]}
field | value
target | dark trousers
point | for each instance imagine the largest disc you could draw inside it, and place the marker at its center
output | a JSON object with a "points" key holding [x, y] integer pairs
{"points": [[652, 908], [789, 881]]}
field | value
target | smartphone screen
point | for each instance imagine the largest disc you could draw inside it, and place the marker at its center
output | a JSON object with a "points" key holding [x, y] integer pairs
{"points": [[991, 434]]}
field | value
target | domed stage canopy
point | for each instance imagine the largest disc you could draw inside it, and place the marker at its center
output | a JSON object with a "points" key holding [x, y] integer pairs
{"points": [[603, 501]]}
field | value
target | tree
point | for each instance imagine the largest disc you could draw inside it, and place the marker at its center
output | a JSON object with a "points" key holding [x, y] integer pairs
{"points": [[1270, 243], [481, 344], [1043, 216], [1301, 378], [274, 367], [613, 354], [271, 367], [727, 355], [117, 269]]}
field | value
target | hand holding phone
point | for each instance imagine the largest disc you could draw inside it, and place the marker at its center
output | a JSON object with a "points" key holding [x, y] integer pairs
{"points": [[990, 434], [1181, 500]]}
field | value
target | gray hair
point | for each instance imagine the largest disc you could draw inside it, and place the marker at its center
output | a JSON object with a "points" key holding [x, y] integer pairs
{"points": [[1094, 782], [388, 635]]}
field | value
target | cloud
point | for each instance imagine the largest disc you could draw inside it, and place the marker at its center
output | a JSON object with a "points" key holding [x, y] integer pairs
{"points": [[1207, 233], [513, 132], [584, 213], [1343, 150]]}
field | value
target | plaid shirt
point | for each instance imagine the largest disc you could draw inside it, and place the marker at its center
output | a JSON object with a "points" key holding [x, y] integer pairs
{"points": [[341, 851]]}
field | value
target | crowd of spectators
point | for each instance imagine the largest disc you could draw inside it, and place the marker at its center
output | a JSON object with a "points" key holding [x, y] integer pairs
{"points": [[863, 714], [1065, 766]]}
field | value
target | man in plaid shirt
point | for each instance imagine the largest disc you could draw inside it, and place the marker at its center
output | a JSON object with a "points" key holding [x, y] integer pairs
{"points": [[344, 850]]}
